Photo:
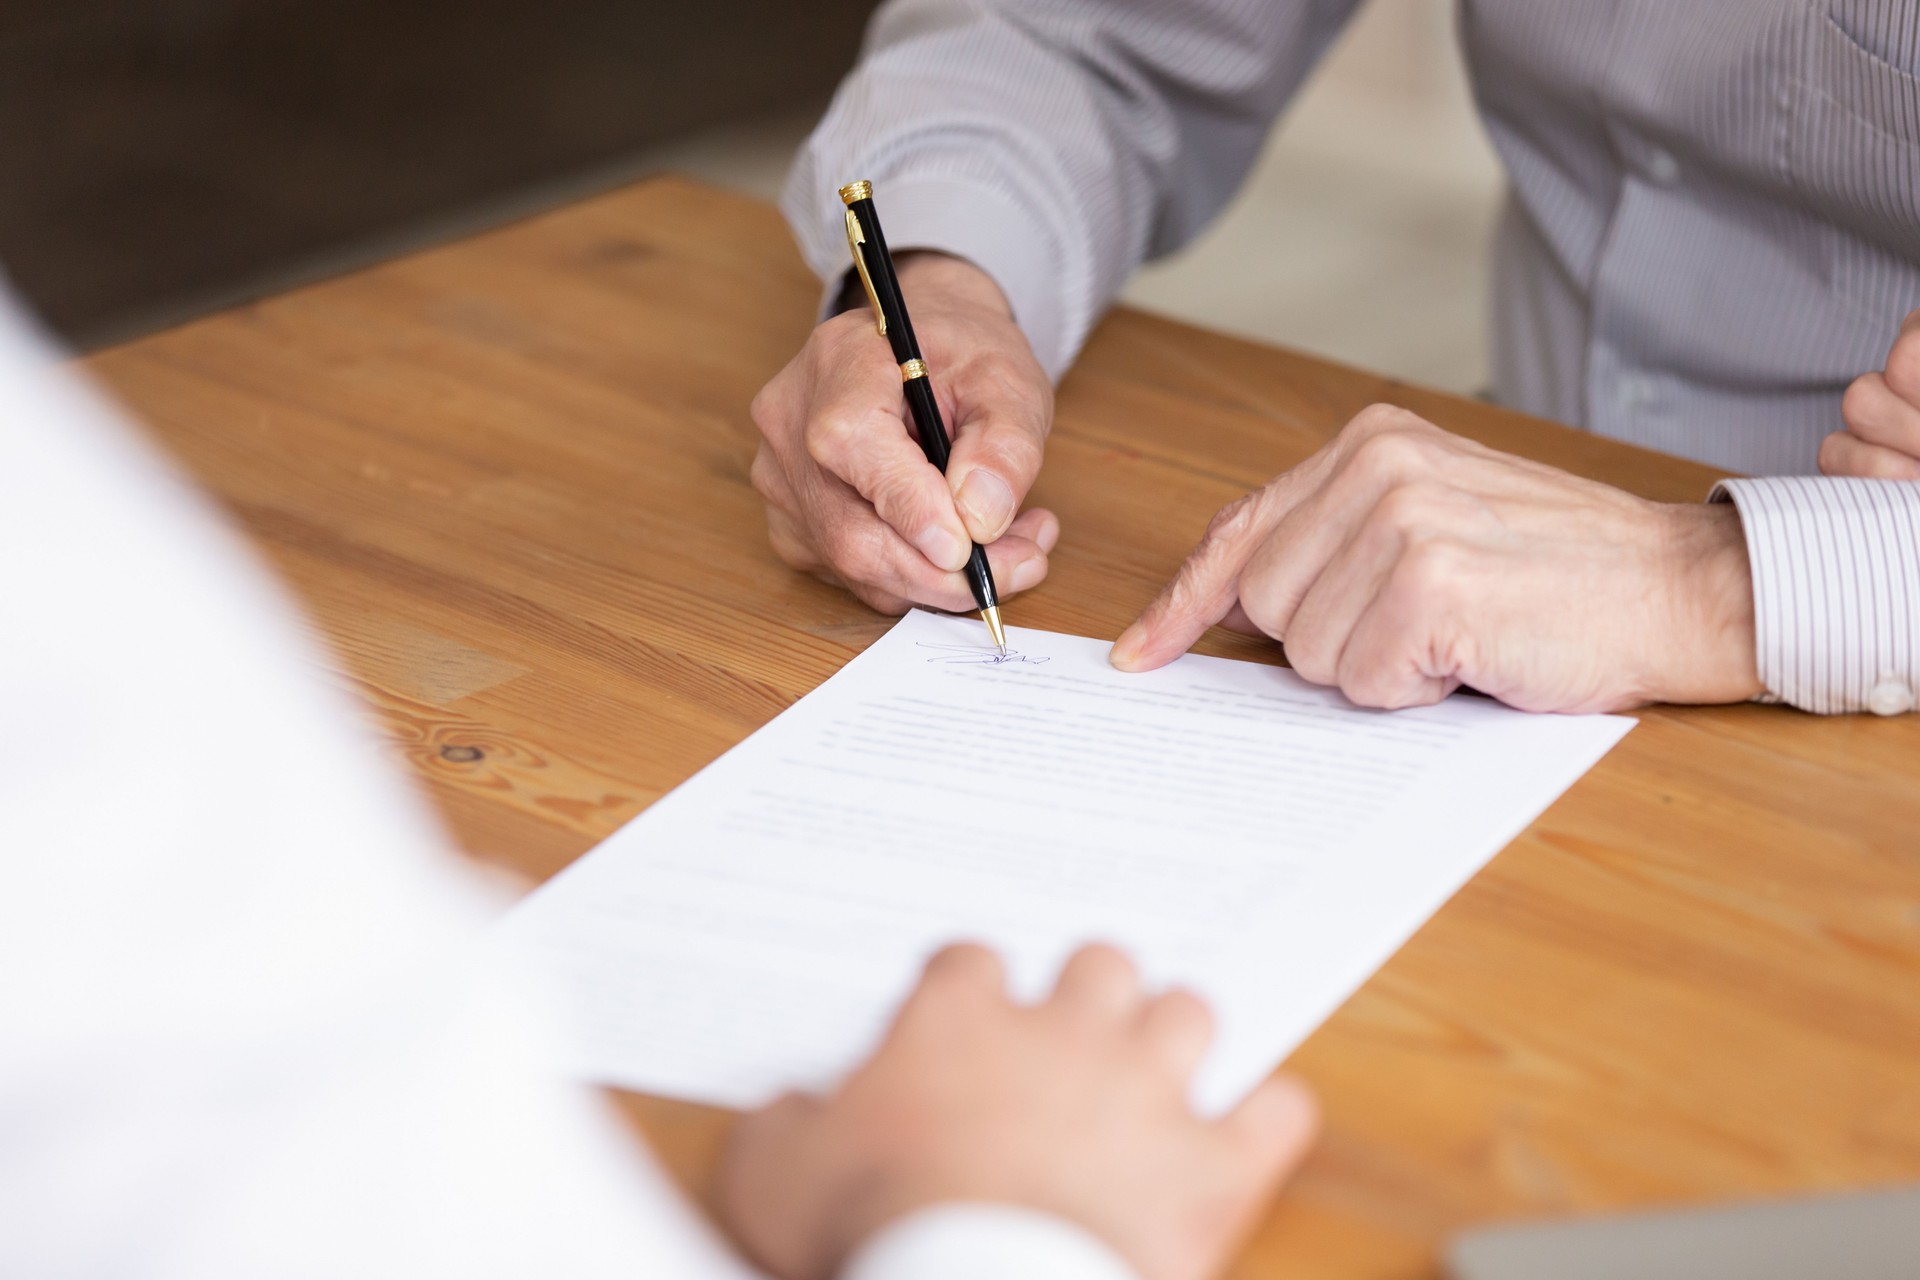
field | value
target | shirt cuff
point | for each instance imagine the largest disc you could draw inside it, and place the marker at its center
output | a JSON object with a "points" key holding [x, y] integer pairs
{"points": [[1836, 589], [969, 220], [972, 1241]]}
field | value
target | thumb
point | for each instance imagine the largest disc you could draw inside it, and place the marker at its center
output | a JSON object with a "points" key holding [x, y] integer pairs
{"points": [[1273, 1128], [999, 440], [1204, 592]]}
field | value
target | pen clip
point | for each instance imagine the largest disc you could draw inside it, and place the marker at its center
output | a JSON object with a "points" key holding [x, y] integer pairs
{"points": [[856, 238]]}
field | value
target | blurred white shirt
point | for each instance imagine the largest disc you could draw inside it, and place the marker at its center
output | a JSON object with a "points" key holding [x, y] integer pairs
{"points": [[247, 1023]]}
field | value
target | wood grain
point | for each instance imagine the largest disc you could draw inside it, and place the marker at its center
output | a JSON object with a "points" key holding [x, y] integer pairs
{"points": [[508, 477]]}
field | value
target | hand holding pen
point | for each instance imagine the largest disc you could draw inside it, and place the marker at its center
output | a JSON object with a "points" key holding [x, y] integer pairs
{"points": [[850, 494], [875, 265]]}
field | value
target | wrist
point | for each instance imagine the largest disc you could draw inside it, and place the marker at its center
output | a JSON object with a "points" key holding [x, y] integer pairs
{"points": [[928, 273], [927, 276], [1706, 653]]}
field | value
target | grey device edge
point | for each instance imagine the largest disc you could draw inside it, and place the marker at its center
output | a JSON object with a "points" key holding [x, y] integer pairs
{"points": [[1855, 1235]]}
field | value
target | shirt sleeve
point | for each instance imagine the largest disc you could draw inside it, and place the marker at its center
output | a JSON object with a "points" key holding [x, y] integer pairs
{"points": [[251, 1023], [969, 1241], [1836, 589], [1056, 144]]}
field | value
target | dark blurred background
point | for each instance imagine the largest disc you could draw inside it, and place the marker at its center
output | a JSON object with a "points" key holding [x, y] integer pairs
{"points": [[163, 157]]}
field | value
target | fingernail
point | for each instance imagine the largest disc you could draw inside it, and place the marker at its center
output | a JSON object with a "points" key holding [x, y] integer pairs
{"points": [[1126, 650], [1027, 574], [1049, 535], [942, 546], [987, 504]]}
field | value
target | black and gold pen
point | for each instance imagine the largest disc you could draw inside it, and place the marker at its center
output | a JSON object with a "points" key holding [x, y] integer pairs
{"points": [[875, 265]]}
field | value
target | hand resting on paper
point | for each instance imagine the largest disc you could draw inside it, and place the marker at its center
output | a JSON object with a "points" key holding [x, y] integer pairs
{"points": [[1401, 562], [1076, 1106]]}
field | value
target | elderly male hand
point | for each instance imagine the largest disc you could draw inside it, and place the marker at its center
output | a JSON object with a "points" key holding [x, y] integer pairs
{"points": [[1401, 562], [852, 499], [1882, 413]]}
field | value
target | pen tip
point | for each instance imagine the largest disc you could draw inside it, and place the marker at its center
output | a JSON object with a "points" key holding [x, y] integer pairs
{"points": [[991, 615]]}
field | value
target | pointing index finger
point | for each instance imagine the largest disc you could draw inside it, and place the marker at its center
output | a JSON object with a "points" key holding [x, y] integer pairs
{"points": [[1207, 586]]}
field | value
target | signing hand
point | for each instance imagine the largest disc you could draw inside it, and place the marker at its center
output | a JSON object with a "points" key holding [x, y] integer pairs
{"points": [[852, 499], [1882, 412], [1076, 1107], [1401, 562]]}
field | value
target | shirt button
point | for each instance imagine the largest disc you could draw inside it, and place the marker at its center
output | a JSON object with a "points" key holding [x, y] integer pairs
{"points": [[1662, 168], [1632, 392], [1891, 697]]}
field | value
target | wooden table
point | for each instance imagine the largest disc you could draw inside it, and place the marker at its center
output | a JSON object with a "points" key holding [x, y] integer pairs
{"points": [[509, 478]]}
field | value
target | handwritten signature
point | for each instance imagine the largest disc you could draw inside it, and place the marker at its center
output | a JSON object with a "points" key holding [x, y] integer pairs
{"points": [[979, 655]]}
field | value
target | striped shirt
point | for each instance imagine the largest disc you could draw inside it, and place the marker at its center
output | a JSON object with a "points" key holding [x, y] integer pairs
{"points": [[1713, 227]]}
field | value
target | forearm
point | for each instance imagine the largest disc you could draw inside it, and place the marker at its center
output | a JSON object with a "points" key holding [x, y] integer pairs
{"points": [[1053, 143]]}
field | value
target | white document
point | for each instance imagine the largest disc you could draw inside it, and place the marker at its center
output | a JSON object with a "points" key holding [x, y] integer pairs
{"points": [[1233, 828]]}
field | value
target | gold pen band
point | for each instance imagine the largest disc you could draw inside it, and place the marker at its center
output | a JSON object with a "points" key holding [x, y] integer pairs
{"points": [[911, 369], [856, 191]]}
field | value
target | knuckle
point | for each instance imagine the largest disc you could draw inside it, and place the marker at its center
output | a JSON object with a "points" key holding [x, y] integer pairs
{"points": [[790, 1106], [771, 406], [1307, 655], [1268, 588], [1833, 453], [1431, 571], [853, 552], [1231, 523], [761, 407], [828, 437], [1408, 508], [1100, 976], [960, 964], [1374, 417], [764, 474], [1391, 452], [1213, 565], [1903, 367], [1105, 961], [1366, 686], [1381, 418], [1184, 1011], [897, 495], [1265, 610], [1184, 595], [1020, 448], [1857, 402]]}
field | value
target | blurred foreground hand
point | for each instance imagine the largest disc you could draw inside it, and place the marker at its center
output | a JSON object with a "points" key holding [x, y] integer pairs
{"points": [[1882, 413], [1401, 562], [1076, 1107], [850, 496]]}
